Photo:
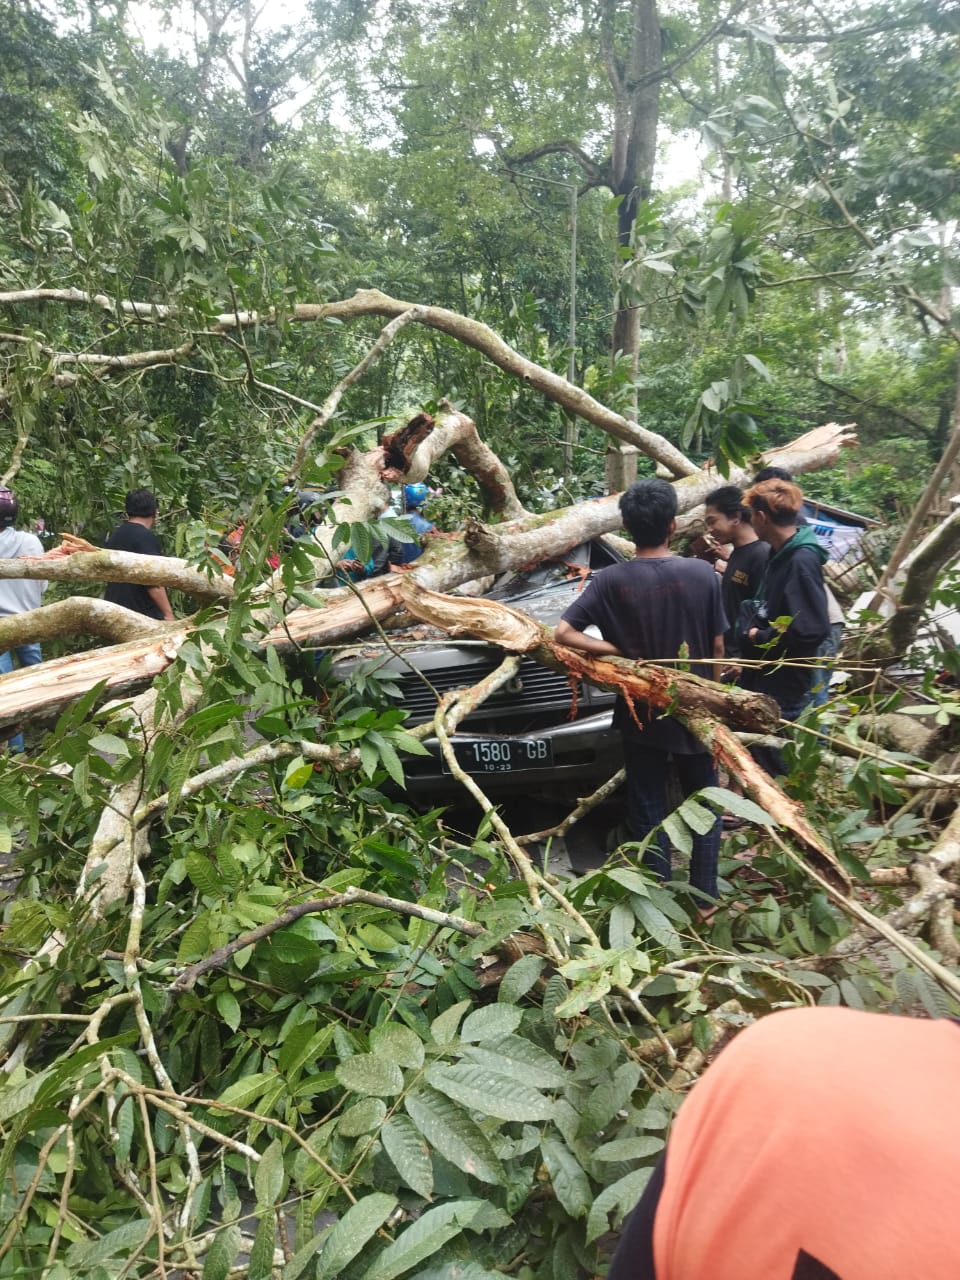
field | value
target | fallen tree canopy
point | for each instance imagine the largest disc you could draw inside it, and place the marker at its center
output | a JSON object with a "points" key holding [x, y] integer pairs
{"points": [[236, 956]]}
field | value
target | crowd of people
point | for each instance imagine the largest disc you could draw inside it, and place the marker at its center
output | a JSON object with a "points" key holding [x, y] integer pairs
{"points": [[759, 615]]}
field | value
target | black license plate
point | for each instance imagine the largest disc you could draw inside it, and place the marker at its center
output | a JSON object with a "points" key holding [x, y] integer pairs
{"points": [[501, 755]]}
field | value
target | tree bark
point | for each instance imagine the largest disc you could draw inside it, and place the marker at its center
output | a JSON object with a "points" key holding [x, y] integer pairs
{"points": [[121, 566], [80, 615]]}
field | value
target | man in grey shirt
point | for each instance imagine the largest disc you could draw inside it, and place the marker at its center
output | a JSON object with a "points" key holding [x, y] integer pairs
{"points": [[17, 595]]}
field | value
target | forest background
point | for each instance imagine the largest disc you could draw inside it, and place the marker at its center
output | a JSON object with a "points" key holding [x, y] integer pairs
{"points": [[473, 1073]]}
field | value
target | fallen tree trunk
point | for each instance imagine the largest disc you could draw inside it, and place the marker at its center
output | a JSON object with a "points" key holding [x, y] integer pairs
{"points": [[43, 691], [121, 566], [661, 686], [80, 615]]}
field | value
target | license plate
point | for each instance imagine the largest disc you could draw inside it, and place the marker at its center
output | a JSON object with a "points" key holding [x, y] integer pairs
{"points": [[501, 755]]}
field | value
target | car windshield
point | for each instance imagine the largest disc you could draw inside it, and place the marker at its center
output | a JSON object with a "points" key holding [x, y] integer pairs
{"points": [[577, 562]]}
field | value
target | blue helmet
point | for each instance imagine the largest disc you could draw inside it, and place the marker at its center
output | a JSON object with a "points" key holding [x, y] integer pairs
{"points": [[414, 496]]}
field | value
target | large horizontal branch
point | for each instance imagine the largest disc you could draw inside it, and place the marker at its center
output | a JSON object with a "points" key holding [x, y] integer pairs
{"points": [[482, 338], [80, 298], [78, 616], [46, 689], [661, 686], [121, 566]]}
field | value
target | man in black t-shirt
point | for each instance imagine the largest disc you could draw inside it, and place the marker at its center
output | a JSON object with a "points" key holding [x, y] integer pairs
{"points": [[658, 607], [136, 534]]}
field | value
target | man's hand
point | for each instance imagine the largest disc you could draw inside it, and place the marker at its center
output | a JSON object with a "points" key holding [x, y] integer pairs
{"points": [[573, 639]]}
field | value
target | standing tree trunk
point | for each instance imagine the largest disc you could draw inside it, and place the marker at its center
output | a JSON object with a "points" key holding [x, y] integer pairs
{"points": [[633, 67]]}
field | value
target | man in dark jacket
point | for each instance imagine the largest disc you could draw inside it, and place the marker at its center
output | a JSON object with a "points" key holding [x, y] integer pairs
{"points": [[792, 589]]}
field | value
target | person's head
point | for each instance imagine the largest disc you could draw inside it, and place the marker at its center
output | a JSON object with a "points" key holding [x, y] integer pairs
{"points": [[414, 496], [140, 504], [776, 506], [726, 512], [311, 504], [9, 507], [772, 473], [649, 509]]}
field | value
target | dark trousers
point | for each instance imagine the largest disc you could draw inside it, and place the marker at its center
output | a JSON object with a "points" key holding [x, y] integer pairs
{"points": [[647, 773]]}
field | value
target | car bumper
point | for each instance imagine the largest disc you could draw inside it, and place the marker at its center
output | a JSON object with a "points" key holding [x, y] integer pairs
{"points": [[585, 753]]}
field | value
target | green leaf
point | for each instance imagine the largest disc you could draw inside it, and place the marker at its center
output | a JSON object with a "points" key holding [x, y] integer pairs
{"points": [[444, 1028], [655, 922], [423, 1238], [303, 1257], [124, 1123], [290, 947], [409, 1153], [621, 1195], [228, 1007], [109, 744], [609, 1097], [298, 774], [396, 1043], [363, 1117], [740, 806], [520, 978], [489, 1093], [269, 1179], [521, 1060], [203, 874], [570, 1184], [376, 939], [223, 1253], [697, 817], [90, 1254], [243, 1093], [358, 1225], [451, 1132], [756, 363], [260, 1266], [367, 1074], [491, 1022], [679, 833], [212, 717], [629, 1148]]}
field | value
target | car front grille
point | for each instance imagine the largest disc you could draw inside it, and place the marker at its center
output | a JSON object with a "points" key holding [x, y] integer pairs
{"points": [[540, 688]]}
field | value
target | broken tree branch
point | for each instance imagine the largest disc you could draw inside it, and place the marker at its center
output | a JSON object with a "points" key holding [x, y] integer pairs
{"points": [[121, 566], [217, 959], [77, 616]]}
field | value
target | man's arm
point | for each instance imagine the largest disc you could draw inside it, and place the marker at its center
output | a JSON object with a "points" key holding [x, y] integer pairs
{"points": [[568, 635], [159, 597]]}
